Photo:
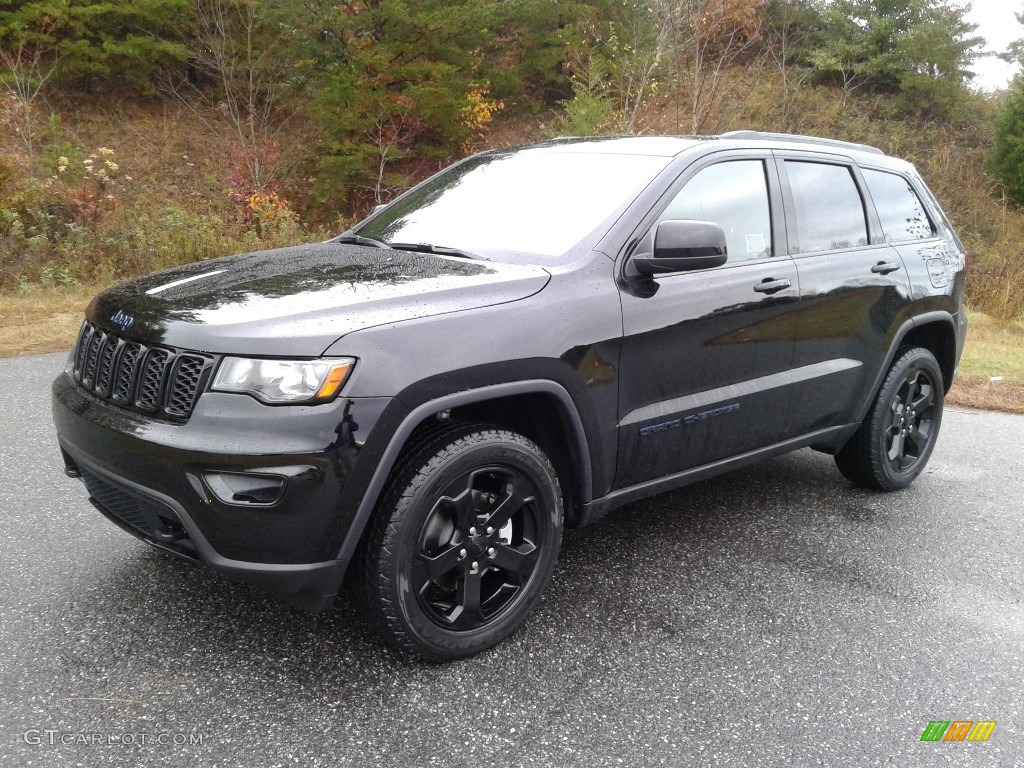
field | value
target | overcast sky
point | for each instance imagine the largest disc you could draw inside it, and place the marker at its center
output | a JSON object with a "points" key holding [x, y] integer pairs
{"points": [[997, 24]]}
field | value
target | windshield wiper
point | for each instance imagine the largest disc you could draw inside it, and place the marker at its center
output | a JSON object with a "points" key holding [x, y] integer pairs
{"points": [[360, 240], [442, 250]]}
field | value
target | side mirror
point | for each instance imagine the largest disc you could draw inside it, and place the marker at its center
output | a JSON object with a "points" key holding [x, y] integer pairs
{"points": [[680, 246]]}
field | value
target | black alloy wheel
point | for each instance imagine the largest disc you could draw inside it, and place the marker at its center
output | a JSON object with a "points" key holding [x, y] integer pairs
{"points": [[478, 547], [896, 438], [912, 420], [463, 542]]}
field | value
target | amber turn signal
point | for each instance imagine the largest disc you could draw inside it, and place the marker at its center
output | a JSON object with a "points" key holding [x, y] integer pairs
{"points": [[335, 378]]}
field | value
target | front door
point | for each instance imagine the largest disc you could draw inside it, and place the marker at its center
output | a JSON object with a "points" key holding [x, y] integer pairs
{"points": [[706, 354]]}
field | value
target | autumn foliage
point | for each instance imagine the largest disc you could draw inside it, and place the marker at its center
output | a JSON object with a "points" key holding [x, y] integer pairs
{"points": [[145, 133]]}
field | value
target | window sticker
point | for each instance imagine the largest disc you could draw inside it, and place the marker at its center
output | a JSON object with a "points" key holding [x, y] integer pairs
{"points": [[755, 243]]}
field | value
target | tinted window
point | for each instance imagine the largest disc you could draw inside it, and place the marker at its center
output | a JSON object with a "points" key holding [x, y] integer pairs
{"points": [[900, 209], [735, 196], [828, 208]]}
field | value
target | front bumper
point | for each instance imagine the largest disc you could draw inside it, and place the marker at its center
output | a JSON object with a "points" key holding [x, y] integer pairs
{"points": [[185, 487]]}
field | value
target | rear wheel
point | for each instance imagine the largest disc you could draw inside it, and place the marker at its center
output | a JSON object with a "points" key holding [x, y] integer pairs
{"points": [[463, 542], [897, 436]]}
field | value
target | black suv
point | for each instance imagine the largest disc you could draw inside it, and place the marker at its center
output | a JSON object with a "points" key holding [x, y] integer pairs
{"points": [[530, 338]]}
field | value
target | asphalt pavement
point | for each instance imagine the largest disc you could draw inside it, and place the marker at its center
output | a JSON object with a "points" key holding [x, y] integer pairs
{"points": [[776, 616]]}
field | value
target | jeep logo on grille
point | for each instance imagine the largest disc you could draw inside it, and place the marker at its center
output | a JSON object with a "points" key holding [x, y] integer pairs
{"points": [[121, 320]]}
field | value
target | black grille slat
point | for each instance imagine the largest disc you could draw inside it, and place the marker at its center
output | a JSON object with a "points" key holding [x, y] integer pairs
{"points": [[82, 349], [105, 366], [126, 364], [184, 384], [151, 380], [155, 380], [96, 340]]}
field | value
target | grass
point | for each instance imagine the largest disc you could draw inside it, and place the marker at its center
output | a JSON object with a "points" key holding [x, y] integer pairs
{"points": [[990, 377], [991, 372], [42, 320]]}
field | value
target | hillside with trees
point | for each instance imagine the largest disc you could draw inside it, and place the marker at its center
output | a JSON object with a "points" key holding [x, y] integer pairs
{"points": [[139, 134]]}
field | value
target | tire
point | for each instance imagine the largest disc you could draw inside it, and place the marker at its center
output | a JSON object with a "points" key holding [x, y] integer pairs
{"points": [[462, 543], [897, 436]]}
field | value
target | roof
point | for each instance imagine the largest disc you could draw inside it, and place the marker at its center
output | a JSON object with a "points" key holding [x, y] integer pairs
{"points": [[796, 139], [655, 146], [670, 146]]}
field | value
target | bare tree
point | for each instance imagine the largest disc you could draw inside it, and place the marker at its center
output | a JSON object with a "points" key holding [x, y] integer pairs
{"points": [[26, 75], [390, 135], [785, 37], [232, 50], [709, 38], [636, 52]]}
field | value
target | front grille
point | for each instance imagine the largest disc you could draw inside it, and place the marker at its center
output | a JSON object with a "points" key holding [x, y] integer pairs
{"points": [[158, 381]]}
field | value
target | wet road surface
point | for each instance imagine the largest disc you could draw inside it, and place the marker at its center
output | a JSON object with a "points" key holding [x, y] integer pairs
{"points": [[773, 616]]}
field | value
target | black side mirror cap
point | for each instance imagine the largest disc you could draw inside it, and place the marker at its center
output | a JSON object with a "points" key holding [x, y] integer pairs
{"points": [[681, 246]]}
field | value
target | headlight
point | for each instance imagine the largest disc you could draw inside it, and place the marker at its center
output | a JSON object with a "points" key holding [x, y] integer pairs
{"points": [[283, 381]]}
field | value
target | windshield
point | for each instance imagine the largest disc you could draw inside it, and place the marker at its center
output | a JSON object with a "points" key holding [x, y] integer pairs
{"points": [[538, 202]]}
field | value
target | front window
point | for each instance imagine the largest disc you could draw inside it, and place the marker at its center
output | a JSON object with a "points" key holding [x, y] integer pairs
{"points": [[734, 195], [529, 205]]}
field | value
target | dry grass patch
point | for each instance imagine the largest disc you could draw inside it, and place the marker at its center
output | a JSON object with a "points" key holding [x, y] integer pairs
{"points": [[991, 373], [42, 320], [993, 349], [982, 393]]}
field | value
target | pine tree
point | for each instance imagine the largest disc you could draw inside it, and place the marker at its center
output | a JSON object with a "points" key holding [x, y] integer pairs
{"points": [[116, 43], [1006, 160]]}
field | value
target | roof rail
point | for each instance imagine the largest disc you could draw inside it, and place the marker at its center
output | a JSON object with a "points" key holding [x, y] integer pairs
{"points": [[801, 139]]}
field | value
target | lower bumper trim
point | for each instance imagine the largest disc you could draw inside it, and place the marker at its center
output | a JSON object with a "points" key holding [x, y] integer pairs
{"points": [[162, 522]]}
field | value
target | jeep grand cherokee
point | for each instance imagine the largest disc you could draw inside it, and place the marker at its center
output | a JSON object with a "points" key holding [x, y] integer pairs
{"points": [[527, 340]]}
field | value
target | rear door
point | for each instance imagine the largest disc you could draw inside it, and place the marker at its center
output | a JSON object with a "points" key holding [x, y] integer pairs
{"points": [[854, 289]]}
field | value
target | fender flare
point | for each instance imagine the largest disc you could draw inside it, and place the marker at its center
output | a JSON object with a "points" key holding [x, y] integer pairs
{"points": [[915, 322], [467, 397]]}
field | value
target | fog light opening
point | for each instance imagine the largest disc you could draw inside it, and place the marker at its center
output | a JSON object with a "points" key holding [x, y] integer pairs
{"points": [[245, 489]]}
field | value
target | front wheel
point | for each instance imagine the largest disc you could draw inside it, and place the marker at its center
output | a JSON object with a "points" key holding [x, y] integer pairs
{"points": [[897, 436], [463, 542]]}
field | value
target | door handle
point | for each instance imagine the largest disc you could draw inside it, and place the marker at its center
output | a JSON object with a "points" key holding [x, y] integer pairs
{"points": [[768, 285], [884, 267]]}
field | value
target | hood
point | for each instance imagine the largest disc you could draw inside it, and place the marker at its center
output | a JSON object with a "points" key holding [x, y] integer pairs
{"points": [[298, 301]]}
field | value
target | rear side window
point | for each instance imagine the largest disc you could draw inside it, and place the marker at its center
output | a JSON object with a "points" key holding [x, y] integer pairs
{"points": [[828, 207], [733, 194], [900, 209]]}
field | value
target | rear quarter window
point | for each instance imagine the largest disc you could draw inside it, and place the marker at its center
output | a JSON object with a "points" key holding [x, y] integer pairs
{"points": [[900, 210]]}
